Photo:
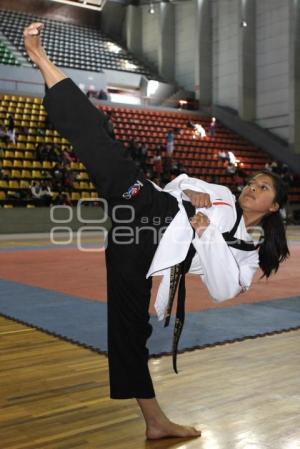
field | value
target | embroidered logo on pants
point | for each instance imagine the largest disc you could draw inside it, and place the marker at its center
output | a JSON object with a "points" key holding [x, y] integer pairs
{"points": [[133, 190]]}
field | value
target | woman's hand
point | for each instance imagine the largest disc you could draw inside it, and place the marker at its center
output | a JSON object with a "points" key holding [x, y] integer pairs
{"points": [[32, 41], [37, 54], [198, 199], [200, 222]]}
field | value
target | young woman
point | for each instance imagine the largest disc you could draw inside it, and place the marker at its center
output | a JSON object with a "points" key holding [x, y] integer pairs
{"points": [[151, 234]]}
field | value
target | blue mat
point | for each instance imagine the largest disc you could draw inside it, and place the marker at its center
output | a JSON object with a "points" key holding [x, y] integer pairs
{"points": [[83, 321]]}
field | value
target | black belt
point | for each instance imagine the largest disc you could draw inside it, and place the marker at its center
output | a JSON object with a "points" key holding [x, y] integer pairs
{"points": [[177, 279], [178, 272]]}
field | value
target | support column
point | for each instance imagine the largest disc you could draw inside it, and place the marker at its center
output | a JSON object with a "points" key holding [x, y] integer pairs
{"points": [[134, 29], [203, 53], [166, 49], [247, 61], [294, 135]]}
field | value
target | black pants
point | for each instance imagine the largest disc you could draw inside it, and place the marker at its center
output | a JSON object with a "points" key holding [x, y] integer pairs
{"points": [[131, 245], [129, 291]]}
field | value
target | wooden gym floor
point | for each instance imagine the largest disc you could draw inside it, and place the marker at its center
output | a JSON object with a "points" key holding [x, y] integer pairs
{"points": [[55, 395]]}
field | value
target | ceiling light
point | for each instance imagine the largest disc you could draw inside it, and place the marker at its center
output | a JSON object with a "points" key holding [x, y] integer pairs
{"points": [[151, 9]]}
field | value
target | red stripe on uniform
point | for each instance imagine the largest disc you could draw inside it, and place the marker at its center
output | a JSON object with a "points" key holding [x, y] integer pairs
{"points": [[219, 203]]}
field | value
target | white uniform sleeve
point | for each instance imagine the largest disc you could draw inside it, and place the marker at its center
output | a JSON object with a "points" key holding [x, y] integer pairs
{"points": [[223, 276], [184, 182]]}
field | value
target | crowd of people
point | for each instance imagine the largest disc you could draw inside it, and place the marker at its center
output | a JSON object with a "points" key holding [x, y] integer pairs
{"points": [[161, 167]]}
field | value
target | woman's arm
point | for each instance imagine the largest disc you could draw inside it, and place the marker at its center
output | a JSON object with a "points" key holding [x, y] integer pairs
{"points": [[76, 119], [223, 276], [37, 54]]}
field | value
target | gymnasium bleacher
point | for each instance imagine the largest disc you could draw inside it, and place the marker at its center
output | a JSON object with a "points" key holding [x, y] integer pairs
{"points": [[75, 46], [199, 157]]}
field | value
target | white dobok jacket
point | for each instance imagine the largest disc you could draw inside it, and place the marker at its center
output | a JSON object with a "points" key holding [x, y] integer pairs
{"points": [[225, 271]]}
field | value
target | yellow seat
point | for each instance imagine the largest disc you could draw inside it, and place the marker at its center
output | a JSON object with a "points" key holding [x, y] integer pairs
{"points": [[13, 184], [85, 195], [47, 164], [2, 195], [24, 184], [30, 206], [27, 164], [30, 146], [8, 206], [17, 164], [21, 146], [8, 154], [36, 164], [75, 196], [28, 155], [25, 174], [36, 174], [7, 163], [83, 175], [3, 183], [19, 154]]}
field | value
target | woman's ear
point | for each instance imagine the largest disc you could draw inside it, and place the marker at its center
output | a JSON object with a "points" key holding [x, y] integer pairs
{"points": [[274, 208]]}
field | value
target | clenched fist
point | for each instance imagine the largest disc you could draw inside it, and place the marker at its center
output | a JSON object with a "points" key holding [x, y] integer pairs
{"points": [[198, 199], [200, 222], [32, 41]]}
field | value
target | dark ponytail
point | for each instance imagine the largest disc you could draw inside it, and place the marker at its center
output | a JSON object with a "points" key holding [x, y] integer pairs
{"points": [[274, 249]]}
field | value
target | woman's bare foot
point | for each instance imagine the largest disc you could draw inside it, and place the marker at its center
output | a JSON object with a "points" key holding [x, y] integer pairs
{"points": [[168, 429]]}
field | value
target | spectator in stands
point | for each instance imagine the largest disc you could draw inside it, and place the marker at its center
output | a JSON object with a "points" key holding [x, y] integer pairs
{"points": [[157, 164], [268, 166], [167, 167], [3, 134], [199, 131], [67, 155], [170, 142], [41, 193], [41, 154], [62, 199], [133, 149], [143, 157], [11, 123], [8, 135], [212, 127], [3, 176], [223, 155], [275, 167], [58, 175], [102, 95], [177, 168], [231, 168], [69, 178], [108, 124]]}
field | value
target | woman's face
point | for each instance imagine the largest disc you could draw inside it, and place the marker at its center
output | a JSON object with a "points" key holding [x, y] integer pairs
{"points": [[259, 195]]}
